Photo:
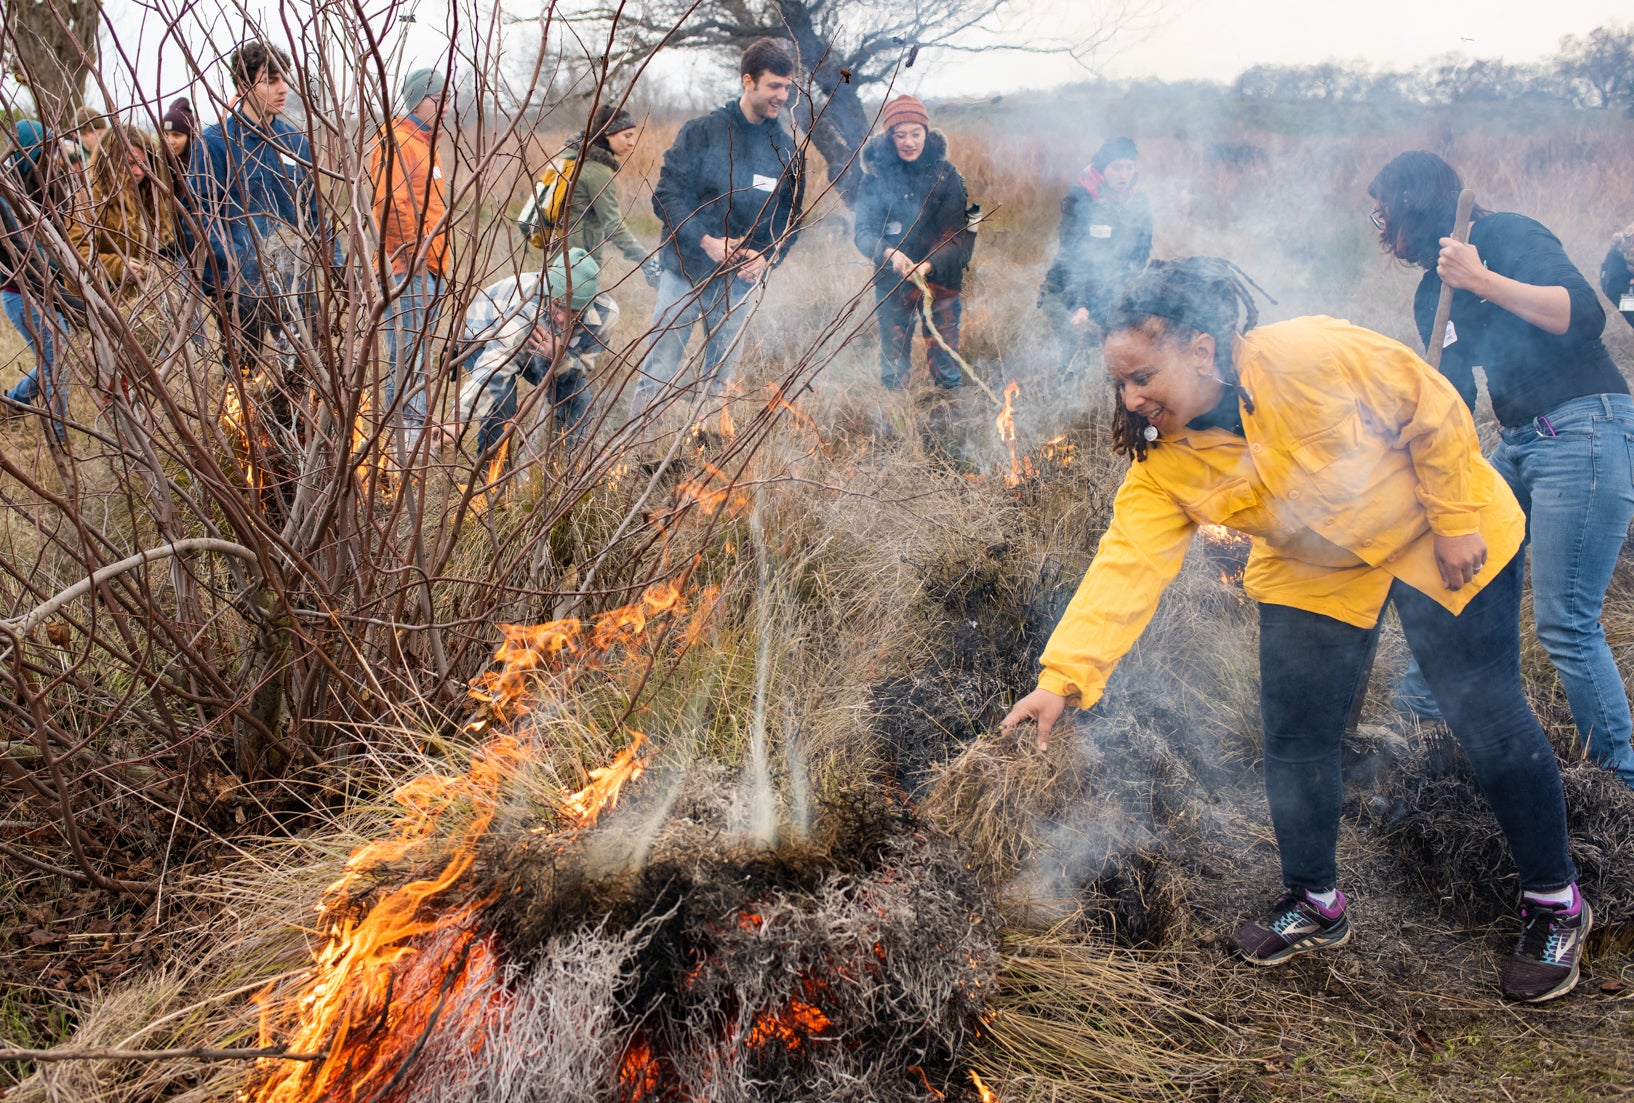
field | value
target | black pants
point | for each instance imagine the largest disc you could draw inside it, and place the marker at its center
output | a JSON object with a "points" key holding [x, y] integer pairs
{"points": [[901, 316], [1311, 667]]}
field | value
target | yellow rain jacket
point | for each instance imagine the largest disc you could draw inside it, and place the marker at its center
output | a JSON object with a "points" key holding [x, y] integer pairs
{"points": [[1356, 455]]}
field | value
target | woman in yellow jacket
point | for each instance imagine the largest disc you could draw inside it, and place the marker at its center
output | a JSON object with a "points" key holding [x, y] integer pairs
{"points": [[1356, 469]]}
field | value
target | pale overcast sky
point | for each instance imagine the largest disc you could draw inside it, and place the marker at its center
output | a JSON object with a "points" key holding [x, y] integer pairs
{"points": [[1211, 39]]}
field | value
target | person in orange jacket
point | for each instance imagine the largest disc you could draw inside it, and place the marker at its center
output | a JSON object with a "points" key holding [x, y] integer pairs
{"points": [[410, 206], [1356, 469]]}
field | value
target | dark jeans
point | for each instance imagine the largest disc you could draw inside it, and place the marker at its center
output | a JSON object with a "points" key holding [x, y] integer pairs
{"points": [[901, 316], [569, 394], [1312, 666]]}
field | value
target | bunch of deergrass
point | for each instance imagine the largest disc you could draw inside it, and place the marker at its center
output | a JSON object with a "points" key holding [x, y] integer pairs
{"points": [[1448, 836]]}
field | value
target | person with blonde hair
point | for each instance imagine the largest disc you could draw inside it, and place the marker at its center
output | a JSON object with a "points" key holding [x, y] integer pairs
{"points": [[125, 224]]}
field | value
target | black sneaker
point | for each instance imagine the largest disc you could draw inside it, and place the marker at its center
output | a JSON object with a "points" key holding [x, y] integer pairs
{"points": [[1294, 925], [1545, 963]]}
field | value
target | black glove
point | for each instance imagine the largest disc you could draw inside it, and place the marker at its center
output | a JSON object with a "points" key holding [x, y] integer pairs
{"points": [[651, 269]]}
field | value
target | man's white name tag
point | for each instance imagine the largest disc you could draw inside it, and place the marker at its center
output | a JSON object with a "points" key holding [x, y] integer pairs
{"points": [[1099, 231], [1627, 303], [893, 228], [288, 160], [1452, 335], [764, 183]]}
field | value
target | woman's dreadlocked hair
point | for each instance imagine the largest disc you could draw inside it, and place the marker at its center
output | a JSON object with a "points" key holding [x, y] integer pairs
{"points": [[1177, 300]]}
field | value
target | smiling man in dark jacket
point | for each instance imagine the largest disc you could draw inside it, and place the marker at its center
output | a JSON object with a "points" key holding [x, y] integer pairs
{"points": [[729, 196]]}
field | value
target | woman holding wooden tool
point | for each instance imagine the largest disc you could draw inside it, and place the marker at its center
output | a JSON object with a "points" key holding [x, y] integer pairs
{"points": [[1522, 312]]}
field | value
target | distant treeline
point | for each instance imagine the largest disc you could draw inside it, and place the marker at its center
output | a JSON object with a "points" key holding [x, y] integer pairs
{"points": [[1595, 70]]}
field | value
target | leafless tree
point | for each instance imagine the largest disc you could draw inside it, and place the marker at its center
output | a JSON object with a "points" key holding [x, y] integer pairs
{"points": [[53, 45], [207, 600], [1601, 65], [851, 49]]}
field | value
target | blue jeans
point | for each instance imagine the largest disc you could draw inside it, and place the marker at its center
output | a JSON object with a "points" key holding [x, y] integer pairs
{"points": [[28, 319], [1577, 488], [724, 304], [1311, 668], [568, 391], [408, 321]]}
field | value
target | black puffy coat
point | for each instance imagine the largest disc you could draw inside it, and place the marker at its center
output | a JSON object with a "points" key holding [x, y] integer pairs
{"points": [[917, 207], [1105, 242]]}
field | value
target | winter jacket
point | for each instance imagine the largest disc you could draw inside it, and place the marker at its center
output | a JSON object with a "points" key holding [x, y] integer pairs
{"points": [[917, 207], [1105, 240], [594, 217], [1355, 455], [109, 230], [410, 207], [1528, 370], [28, 262], [258, 202], [727, 177], [25, 256]]}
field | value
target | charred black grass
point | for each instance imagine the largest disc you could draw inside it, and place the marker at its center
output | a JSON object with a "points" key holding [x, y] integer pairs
{"points": [[1447, 835]]}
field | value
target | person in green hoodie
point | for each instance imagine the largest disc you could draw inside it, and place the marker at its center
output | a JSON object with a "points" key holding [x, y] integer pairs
{"points": [[594, 217]]}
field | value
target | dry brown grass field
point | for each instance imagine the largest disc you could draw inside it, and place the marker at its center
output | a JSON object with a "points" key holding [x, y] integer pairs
{"points": [[867, 597]]}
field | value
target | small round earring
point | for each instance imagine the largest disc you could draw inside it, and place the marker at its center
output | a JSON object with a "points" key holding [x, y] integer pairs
{"points": [[1150, 432]]}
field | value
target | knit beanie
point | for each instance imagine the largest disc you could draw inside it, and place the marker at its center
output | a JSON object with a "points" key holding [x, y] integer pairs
{"points": [[1114, 149], [29, 138], [904, 109], [620, 121], [420, 84], [178, 119], [586, 278]]}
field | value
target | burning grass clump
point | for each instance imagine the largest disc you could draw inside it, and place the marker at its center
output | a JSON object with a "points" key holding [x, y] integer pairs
{"points": [[662, 953], [1448, 836], [851, 965]]}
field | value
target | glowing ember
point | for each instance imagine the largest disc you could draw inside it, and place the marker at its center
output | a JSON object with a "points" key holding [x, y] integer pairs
{"points": [[1006, 423], [583, 807], [790, 1027]]}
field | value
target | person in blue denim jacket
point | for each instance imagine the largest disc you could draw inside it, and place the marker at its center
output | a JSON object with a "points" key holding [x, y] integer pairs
{"points": [[255, 185], [1524, 314], [544, 328]]}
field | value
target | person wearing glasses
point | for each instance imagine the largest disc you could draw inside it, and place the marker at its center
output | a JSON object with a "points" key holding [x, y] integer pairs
{"points": [[1523, 313]]}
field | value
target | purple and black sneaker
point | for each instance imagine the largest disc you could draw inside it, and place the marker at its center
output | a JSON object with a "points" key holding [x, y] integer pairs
{"points": [[1294, 925], [1545, 962]]}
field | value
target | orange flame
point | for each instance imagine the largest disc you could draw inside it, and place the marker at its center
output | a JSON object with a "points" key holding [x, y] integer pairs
{"points": [[1006, 423], [536, 647], [709, 498], [779, 401], [983, 1093], [729, 430], [606, 782], [382, 980], [237, 425]]}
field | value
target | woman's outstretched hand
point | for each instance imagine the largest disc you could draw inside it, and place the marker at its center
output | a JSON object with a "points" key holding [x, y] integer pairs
{"points": [[1460, 558], [1040, 706]]}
